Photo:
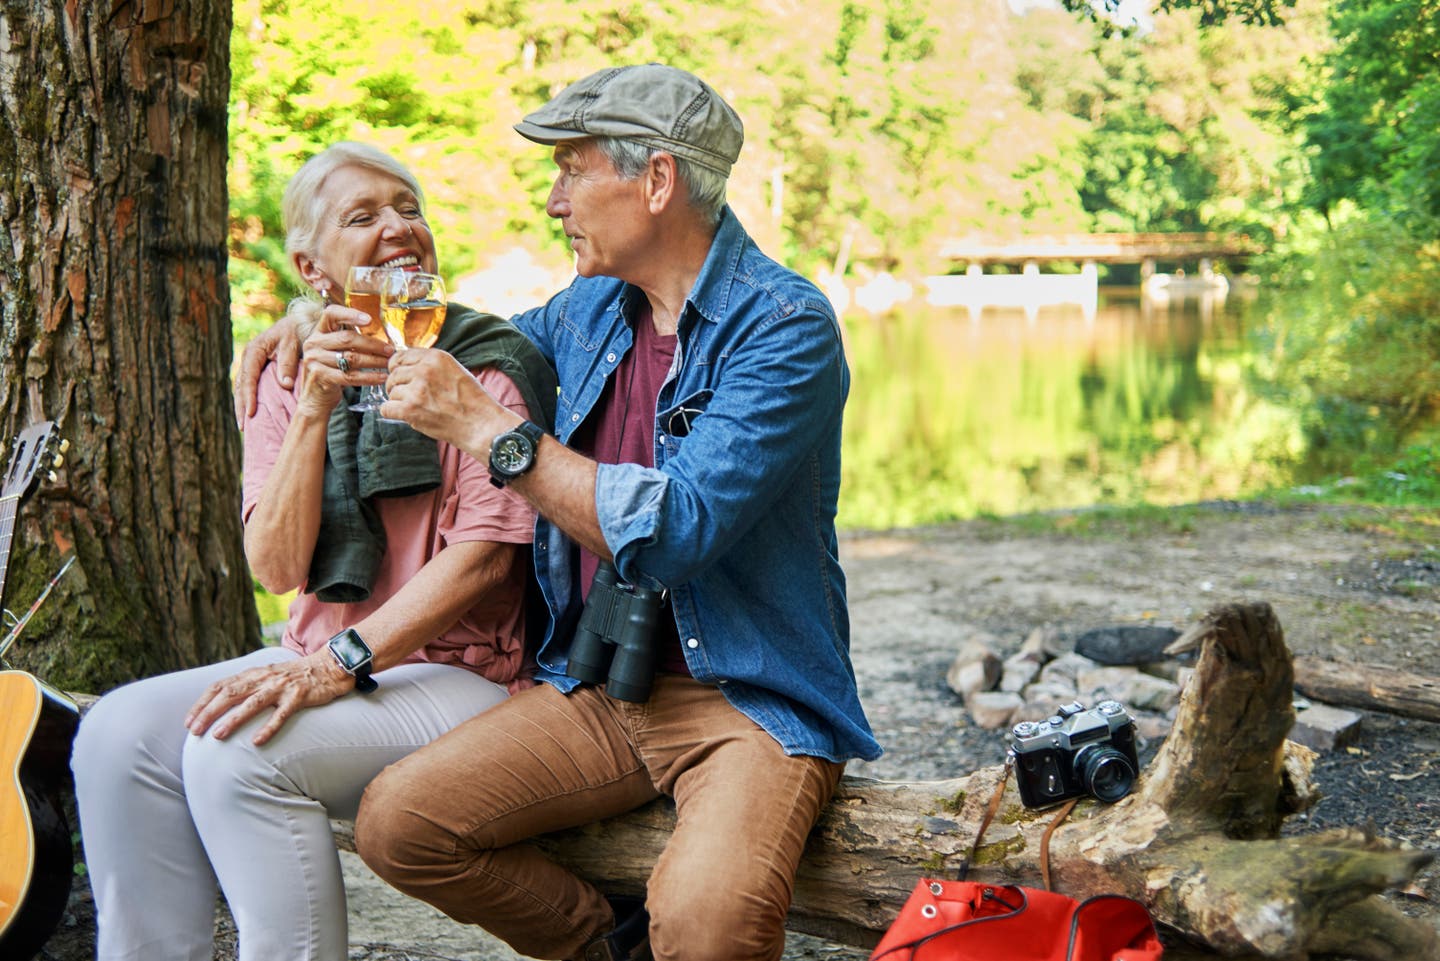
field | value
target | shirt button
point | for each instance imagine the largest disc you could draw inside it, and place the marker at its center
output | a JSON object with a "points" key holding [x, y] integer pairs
{"points": [[692, 643], [574, 418], [610, 357]]}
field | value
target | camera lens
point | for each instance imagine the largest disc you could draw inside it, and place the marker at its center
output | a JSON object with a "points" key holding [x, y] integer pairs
{"points": [[1105, 772]]}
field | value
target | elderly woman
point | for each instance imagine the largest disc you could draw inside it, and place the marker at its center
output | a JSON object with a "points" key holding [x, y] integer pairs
{"points": [[409, 620]]}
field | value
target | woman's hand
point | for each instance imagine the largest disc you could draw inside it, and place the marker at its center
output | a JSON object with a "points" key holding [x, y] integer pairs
{"points": [[311, 681], [366, 358], [337, 355]]}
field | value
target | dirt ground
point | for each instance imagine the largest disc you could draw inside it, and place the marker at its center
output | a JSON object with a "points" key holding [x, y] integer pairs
{"points": [[1342, 581]]}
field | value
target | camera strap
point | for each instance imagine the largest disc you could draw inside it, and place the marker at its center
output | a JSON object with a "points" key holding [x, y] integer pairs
{"points": [[993, 808]]}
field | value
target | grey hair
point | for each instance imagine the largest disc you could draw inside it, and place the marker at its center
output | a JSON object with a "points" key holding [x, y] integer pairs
{"points": [[302, 211], [704, 187]]}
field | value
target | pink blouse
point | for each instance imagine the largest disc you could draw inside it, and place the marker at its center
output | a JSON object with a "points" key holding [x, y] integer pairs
{"points": [[489, 638]]}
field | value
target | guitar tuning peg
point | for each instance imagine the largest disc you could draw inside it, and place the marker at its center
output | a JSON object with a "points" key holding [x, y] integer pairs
{"points": [[57, 462], [51, 476], [64, 445]]}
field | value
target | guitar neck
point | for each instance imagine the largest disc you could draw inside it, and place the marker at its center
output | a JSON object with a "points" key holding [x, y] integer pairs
{"points": [[8, 506]]}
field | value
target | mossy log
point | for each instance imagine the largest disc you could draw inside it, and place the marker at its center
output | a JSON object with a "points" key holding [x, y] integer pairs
{"points": [[1198, 841]]}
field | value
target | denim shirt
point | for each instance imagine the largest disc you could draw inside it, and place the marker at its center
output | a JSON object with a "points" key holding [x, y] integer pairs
{"points": [[737, 518]]}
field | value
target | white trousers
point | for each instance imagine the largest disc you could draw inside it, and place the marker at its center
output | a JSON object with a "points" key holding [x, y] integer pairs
{"points": [[166, 815]]}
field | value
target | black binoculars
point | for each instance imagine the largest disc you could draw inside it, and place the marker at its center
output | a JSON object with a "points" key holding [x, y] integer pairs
{"points": [[614, 641]]}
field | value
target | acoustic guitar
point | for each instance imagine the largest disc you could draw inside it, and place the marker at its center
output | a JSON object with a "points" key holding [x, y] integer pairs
{"points": [[37, 726]]}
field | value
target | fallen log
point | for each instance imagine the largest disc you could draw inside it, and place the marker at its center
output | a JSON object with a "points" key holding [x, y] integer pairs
{"points": [[1373, 688], [1198, 841]]}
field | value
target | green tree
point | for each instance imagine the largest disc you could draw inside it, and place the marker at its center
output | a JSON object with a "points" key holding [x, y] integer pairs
{"points": [[1373, 126]]}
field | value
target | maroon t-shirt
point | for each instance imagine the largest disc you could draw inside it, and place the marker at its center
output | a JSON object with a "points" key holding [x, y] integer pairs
{"points": [[622, 431]]}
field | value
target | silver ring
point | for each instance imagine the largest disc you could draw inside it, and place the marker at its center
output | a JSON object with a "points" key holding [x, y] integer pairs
{"points": [[341, 362]]}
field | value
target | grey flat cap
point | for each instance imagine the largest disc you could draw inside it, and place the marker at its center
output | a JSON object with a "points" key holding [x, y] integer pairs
{"points": [[661, 106]]}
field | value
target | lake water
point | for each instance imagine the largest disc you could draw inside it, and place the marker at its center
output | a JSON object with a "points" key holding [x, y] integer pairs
{"points": [[953, 414]]}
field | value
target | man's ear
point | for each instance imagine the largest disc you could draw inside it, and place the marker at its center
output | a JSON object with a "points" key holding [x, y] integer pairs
{"points": [[661, 182]]}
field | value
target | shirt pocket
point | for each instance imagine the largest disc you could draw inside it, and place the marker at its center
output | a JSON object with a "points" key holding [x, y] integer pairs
{"points": [[678, 421]]}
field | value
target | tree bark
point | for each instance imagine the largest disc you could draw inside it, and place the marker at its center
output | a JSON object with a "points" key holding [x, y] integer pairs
{"points": [[1374, 688], [115, 324]]}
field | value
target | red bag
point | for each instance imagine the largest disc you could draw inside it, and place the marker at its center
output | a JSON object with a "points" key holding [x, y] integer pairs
{"points": [[968, 921]]}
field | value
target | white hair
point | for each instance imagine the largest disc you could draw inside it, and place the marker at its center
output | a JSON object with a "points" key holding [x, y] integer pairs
{"points": [[302, 210]]}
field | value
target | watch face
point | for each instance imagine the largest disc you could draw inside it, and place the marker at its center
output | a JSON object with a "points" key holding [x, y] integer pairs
{"points": [[512, 453], [351, 651]]}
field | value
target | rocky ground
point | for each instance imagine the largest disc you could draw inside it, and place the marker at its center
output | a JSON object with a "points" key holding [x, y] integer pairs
{"points": [[1350, 583]]}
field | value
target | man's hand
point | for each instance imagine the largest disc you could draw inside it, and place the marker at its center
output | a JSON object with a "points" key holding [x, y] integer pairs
{"points": [[311, 681], [280, 341], [434, 394]]}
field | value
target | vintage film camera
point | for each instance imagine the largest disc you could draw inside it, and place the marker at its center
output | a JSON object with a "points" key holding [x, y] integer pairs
{"points": [[614, 641], [1075, 752]]}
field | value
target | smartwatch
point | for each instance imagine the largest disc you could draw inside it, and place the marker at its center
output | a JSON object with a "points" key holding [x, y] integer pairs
{"points": [[354, 656], [513, 453]]}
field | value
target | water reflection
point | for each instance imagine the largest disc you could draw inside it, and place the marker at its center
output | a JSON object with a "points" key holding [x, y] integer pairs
{"points": [[956, 412]]}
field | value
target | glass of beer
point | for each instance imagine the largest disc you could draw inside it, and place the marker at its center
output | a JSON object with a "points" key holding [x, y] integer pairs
{"points": [[412, 310], [363, 287]]}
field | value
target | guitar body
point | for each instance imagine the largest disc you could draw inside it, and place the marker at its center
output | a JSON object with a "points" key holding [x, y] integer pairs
{"points": [[37, 727], [37, 860]]}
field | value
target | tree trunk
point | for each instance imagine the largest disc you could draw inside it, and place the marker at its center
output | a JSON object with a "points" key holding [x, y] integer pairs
{"points": [[115, 324]]}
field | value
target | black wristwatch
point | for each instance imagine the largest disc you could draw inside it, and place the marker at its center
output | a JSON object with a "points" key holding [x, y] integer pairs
{"points": [[354, 656], [513, 453]]}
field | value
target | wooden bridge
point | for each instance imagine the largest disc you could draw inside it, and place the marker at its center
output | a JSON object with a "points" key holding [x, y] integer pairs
{"points": [[1031, 288], [1143, 249]]}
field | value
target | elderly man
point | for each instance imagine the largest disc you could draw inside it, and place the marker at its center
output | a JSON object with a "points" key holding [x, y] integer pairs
{"points": [[686, 536]]}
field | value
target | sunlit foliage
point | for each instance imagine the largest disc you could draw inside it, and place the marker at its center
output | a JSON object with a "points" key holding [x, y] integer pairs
{"points": [[877, 128], [874, 128]]}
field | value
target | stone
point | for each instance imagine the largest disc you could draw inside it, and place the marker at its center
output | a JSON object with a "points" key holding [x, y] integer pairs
{"points": [[1044, 698], [1321, 727], [994, 710], [1152, 727], [1126, 644], [1135, 690], [1170, 670], [1065, 668], [1020, 670], [1048, 641], [976, 667]]}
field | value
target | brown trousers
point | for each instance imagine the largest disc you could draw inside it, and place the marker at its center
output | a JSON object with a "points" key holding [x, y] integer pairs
{"points": [[447, 824]]}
